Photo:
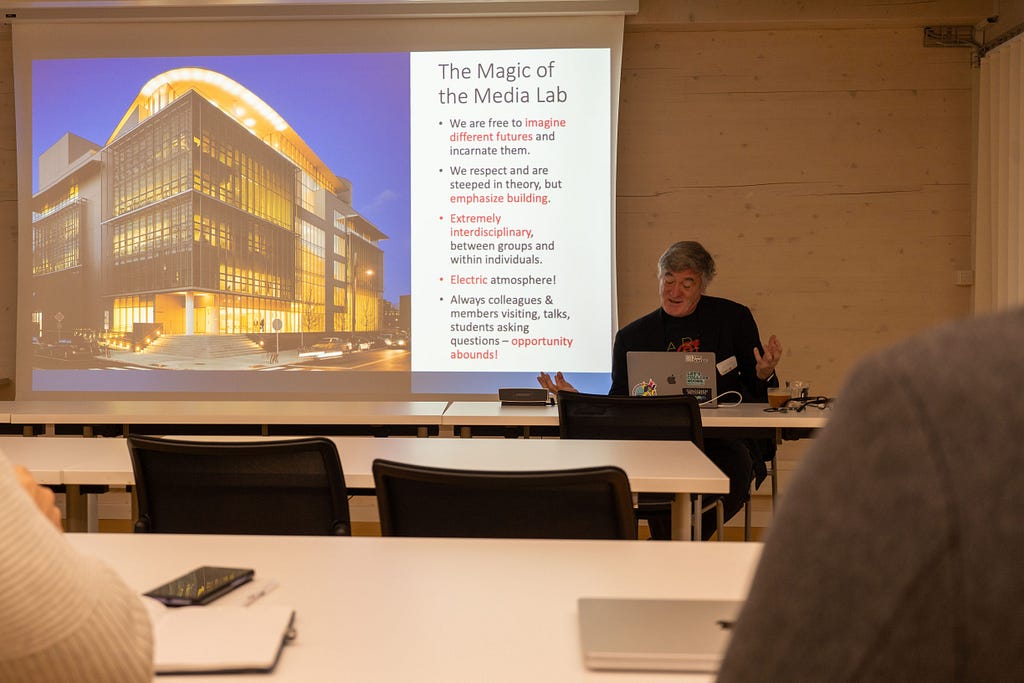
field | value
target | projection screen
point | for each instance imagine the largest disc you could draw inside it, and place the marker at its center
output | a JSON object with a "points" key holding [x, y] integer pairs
{"points": [[391, 208]]}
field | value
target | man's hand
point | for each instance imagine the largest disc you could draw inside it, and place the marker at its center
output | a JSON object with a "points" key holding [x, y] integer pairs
{"points": [[559, 383], [772, 355]]}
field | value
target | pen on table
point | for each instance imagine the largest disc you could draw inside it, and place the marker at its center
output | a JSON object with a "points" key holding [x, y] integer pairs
{"points": [[253, 597]]}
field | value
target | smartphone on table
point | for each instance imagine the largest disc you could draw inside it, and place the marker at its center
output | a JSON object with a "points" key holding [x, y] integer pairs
{"points": [[201, 585]]}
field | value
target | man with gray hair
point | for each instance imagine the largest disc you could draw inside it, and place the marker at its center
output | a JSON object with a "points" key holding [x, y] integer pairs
{"points": [[690, 321]]}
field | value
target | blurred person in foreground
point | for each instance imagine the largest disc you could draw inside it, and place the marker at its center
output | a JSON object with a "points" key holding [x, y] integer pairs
{"points": [[690, 321], [63, 616], [892, 554]]}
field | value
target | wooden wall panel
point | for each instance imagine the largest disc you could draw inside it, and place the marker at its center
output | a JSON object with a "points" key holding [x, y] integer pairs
{"points": [[829, 172], [740, 14], [798, 60]]}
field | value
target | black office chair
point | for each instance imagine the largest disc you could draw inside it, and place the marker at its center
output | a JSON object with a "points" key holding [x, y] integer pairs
{"points": [[592, 502], [292, 487], [645, 418]]}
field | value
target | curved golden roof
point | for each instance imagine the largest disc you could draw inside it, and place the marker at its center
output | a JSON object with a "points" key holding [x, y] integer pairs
{"points": [[238, 102]]}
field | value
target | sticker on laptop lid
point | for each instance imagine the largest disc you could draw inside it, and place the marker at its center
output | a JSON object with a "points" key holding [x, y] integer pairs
{"points": [[646, 388], [695, 378]]}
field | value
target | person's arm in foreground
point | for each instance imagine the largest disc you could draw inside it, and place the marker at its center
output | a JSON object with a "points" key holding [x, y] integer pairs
{"points": [[40, 496], [63, 617], [856, 574]]}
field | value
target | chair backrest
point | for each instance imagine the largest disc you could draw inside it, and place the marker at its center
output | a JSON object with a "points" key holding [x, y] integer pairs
{"points": [[591, 502], [291, 487], [598, 416]]}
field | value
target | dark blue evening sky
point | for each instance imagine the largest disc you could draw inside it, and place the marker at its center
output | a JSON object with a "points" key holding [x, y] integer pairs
{"points": [[351, 109]]}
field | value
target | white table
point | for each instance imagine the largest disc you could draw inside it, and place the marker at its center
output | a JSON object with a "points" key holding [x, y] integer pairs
{"points": [[464, 415], [676, 467], [73, 462], [46, 463], [420, 415], [469, 414], [425, 610]]}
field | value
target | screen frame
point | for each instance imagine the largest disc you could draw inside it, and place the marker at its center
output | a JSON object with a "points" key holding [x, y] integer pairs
{"points": [[84, 39]]}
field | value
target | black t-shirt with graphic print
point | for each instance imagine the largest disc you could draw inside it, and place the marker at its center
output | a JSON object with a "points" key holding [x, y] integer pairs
{"points": [[718, 325]]}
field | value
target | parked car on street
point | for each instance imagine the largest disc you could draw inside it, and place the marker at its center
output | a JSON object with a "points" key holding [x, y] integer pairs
{"points": [[328, 347], [82, 343]]}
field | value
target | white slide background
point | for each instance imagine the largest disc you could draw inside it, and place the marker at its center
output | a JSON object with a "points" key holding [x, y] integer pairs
{"points": [[511, 210]]}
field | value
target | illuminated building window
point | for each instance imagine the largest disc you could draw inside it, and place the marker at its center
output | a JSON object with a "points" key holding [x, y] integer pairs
{"points": [[257, 244], [215, 232], [56, 240], [249, 282], [151, 232], [308, 189], [151, 164], [247, 176], [129, 310], [310, 275]]}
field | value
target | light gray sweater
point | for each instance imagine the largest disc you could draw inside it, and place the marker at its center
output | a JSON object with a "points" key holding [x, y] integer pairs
{"points": [[896, 552], [63, 617]]}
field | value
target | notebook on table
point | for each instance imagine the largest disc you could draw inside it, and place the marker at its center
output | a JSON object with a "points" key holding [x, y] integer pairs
{"points": [[655, 635], [669, 373], [219, 639]]}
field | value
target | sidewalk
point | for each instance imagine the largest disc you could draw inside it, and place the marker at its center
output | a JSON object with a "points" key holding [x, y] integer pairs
{"points": [[163, 361]]}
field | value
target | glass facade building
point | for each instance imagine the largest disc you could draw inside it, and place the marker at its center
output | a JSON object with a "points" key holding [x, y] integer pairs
{"points": [[201, 218]]}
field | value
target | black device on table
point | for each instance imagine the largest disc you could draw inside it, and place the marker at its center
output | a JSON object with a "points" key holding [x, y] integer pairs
{"points": [[524, 397], [201, 585]]}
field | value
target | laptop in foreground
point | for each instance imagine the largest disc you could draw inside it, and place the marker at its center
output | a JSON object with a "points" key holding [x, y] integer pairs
{"points": [[655, 634]]}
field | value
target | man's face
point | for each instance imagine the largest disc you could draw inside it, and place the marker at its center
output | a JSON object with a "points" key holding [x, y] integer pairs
{"points": [[680, 292]]}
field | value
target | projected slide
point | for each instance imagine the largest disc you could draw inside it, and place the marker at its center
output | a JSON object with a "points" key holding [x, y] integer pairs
{"points": [[384, 225], [510, 210]]}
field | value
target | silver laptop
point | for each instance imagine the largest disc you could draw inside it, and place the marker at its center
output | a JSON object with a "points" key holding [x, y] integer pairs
{"points": [[668, 373], [655, 635]]}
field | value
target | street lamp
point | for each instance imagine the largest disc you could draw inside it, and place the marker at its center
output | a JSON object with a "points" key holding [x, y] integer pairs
{"points": [[371, 307], [354, 286], [355, 292], [352, 270]]}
